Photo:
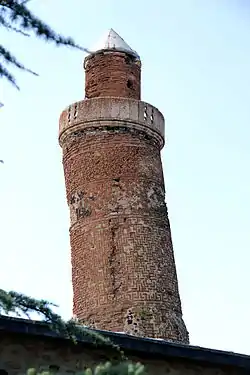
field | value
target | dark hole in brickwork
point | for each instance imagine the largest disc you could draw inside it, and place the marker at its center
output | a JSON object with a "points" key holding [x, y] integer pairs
{"points": [[128, 60], [130, 317], [129, 83], [117, 179]]}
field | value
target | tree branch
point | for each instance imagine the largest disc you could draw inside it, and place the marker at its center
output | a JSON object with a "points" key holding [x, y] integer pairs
{"points": [[17, 303], [9, 27], [6, 74], [19, 12], [10, 59], [15, 16]]}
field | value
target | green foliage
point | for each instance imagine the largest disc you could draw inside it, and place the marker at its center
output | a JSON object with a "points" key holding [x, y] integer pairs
{"points": [[16, 17], [19, 304], [144, 313], [120, 369], [13, 302], [123, 368]]}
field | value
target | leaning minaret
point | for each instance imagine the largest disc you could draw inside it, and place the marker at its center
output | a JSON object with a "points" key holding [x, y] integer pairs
{"points": [[123, 268]]}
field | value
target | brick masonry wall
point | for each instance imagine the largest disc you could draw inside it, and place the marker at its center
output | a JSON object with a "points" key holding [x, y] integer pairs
{"points": [[123, 269], [112, 74], [17, 353]]}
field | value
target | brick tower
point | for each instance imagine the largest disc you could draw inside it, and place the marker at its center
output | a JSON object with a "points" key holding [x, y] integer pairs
{"points": [[123, 268]]}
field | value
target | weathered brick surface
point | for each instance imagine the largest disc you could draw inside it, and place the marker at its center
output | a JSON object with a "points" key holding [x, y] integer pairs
{"points": [[17, 353], [113, 112], [123, 268], [112, 74]]}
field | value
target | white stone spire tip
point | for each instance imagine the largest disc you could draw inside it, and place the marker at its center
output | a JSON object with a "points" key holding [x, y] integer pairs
{"points": [[112, 41]]}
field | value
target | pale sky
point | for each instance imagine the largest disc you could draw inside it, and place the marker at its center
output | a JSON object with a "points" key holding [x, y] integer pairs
{"points": [[195, 60]]}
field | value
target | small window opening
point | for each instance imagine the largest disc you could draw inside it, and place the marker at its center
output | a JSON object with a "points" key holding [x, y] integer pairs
{"points": [[69, 109], [127, 60], [75, 112]]}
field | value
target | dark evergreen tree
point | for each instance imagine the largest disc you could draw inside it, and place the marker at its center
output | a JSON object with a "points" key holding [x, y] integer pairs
{"points": [[16, 17], [13, 303], [124, 368], [19, 304]]}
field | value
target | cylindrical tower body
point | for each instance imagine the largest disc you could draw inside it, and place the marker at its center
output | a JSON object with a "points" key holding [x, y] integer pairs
{"points": [[110, 73], [123, 268]]}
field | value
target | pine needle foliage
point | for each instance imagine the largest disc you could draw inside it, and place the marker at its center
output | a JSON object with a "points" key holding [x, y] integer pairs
{"points": [[123, 368], [15, 16], [22, 305]]}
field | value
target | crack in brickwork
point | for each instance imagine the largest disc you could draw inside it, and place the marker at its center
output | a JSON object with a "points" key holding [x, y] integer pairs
{"points": [[113, 264]]}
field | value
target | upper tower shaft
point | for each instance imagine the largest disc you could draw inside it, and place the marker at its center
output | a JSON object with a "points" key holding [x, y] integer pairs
{"points": [[113, 69]]}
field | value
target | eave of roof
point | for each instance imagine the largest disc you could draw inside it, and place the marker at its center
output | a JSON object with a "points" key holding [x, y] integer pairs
{"points": [[160, 349]]}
